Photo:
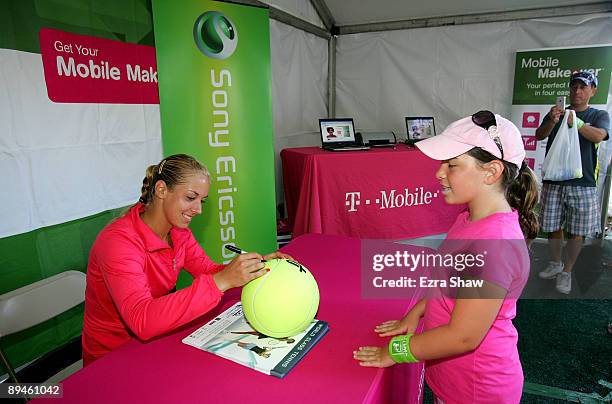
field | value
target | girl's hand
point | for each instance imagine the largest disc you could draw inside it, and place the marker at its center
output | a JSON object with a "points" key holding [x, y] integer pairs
{"points": [[373, 356], [241, 270], [397, 327], [278, 254]]}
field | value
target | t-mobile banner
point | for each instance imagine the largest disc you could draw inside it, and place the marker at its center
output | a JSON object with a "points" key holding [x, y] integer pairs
{"points": [[540, 76], [86, 69], [215, 104]]}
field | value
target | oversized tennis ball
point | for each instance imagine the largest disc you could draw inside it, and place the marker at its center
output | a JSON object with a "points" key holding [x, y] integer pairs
{"points": [[283, 302]]}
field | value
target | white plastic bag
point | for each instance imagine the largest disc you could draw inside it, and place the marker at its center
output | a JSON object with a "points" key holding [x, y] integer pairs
{"points": [[563, 160]]}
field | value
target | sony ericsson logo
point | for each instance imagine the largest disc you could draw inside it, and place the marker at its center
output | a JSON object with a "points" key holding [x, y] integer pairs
{"points": [[215, 35]]}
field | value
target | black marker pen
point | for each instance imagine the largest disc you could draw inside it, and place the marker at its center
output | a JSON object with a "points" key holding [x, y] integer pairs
{"points": [[234, 249], [237, 250]]}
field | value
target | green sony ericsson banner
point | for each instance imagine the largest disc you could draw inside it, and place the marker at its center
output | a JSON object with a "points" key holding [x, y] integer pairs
{"points": [[542, 75], [213, 60]]}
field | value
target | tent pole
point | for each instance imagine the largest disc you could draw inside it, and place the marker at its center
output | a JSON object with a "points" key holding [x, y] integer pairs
{"points": [[286, 18], [331, 77], [324, 14], [298, 23]]}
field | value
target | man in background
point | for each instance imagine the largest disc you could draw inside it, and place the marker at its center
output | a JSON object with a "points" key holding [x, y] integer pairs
{"points": [[572, 204]]}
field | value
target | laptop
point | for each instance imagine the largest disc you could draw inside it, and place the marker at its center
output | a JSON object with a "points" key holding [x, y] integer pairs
{"points": [[419, 128], [339, 135]]}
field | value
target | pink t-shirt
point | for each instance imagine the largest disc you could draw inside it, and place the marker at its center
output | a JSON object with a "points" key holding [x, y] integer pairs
{"points": [[129, 276], [491, 373]]}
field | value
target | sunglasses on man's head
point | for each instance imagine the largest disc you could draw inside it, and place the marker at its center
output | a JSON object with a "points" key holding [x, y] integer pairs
{"points": [[486, 120]]}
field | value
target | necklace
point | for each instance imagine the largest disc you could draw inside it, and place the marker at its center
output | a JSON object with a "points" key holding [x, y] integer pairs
{"points": [[168, 239]]}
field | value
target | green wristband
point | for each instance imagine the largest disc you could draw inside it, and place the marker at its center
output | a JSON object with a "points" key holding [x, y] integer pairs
{"points": [[399, 349], [579, 123]]}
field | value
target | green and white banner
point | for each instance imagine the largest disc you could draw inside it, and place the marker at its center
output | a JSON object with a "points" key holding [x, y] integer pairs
{"points": [[540, 76], [214, 68]]}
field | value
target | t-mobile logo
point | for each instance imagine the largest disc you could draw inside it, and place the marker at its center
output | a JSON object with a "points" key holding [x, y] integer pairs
{"points": [[388, 199], [353, 199]]}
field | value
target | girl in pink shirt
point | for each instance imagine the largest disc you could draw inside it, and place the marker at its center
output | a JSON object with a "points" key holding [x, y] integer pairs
{"points": [[469, 344], [135, 261]]}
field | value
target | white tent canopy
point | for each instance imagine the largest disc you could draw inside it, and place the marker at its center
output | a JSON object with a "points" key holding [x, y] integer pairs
{"points": [[355, 12], [392, 59]]}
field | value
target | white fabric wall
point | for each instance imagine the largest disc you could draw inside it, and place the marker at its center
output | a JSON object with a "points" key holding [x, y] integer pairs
{"points": [[65, 161], [299, 90], [447, 72]]}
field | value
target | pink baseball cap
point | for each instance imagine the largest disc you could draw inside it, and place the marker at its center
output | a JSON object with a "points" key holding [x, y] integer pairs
{"points": [[490, 132]]}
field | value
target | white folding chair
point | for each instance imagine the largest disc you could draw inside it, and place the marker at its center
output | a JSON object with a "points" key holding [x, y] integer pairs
{"points": [[36, 303]]}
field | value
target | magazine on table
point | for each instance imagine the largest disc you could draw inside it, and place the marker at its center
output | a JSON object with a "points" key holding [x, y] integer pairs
{"points": [[230, 336]]}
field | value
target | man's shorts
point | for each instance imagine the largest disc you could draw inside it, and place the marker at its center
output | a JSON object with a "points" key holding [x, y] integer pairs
{"points": [[576, 207]]}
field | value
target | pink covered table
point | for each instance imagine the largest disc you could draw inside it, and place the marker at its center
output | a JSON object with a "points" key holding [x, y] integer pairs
{"points": [[381, 193], [167, 371]]}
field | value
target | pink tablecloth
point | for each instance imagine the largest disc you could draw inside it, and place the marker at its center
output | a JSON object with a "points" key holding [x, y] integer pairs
{"points": [[378, 194], [167, 371]]}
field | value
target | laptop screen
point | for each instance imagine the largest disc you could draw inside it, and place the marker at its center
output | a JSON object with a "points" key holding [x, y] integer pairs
{"points": [[337, 130], [420, 127]]}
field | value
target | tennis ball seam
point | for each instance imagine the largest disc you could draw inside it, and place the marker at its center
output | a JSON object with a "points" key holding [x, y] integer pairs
{"points": [[252, 303]]}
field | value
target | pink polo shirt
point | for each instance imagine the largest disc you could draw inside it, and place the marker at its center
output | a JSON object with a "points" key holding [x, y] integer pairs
{"points": [[129, 274], [491, 373]]}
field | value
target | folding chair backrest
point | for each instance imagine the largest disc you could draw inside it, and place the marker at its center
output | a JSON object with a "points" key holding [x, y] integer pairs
{"points": [[40, 301]]}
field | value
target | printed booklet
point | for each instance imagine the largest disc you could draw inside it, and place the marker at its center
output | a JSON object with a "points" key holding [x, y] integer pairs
{"points": [[231, 337]]}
